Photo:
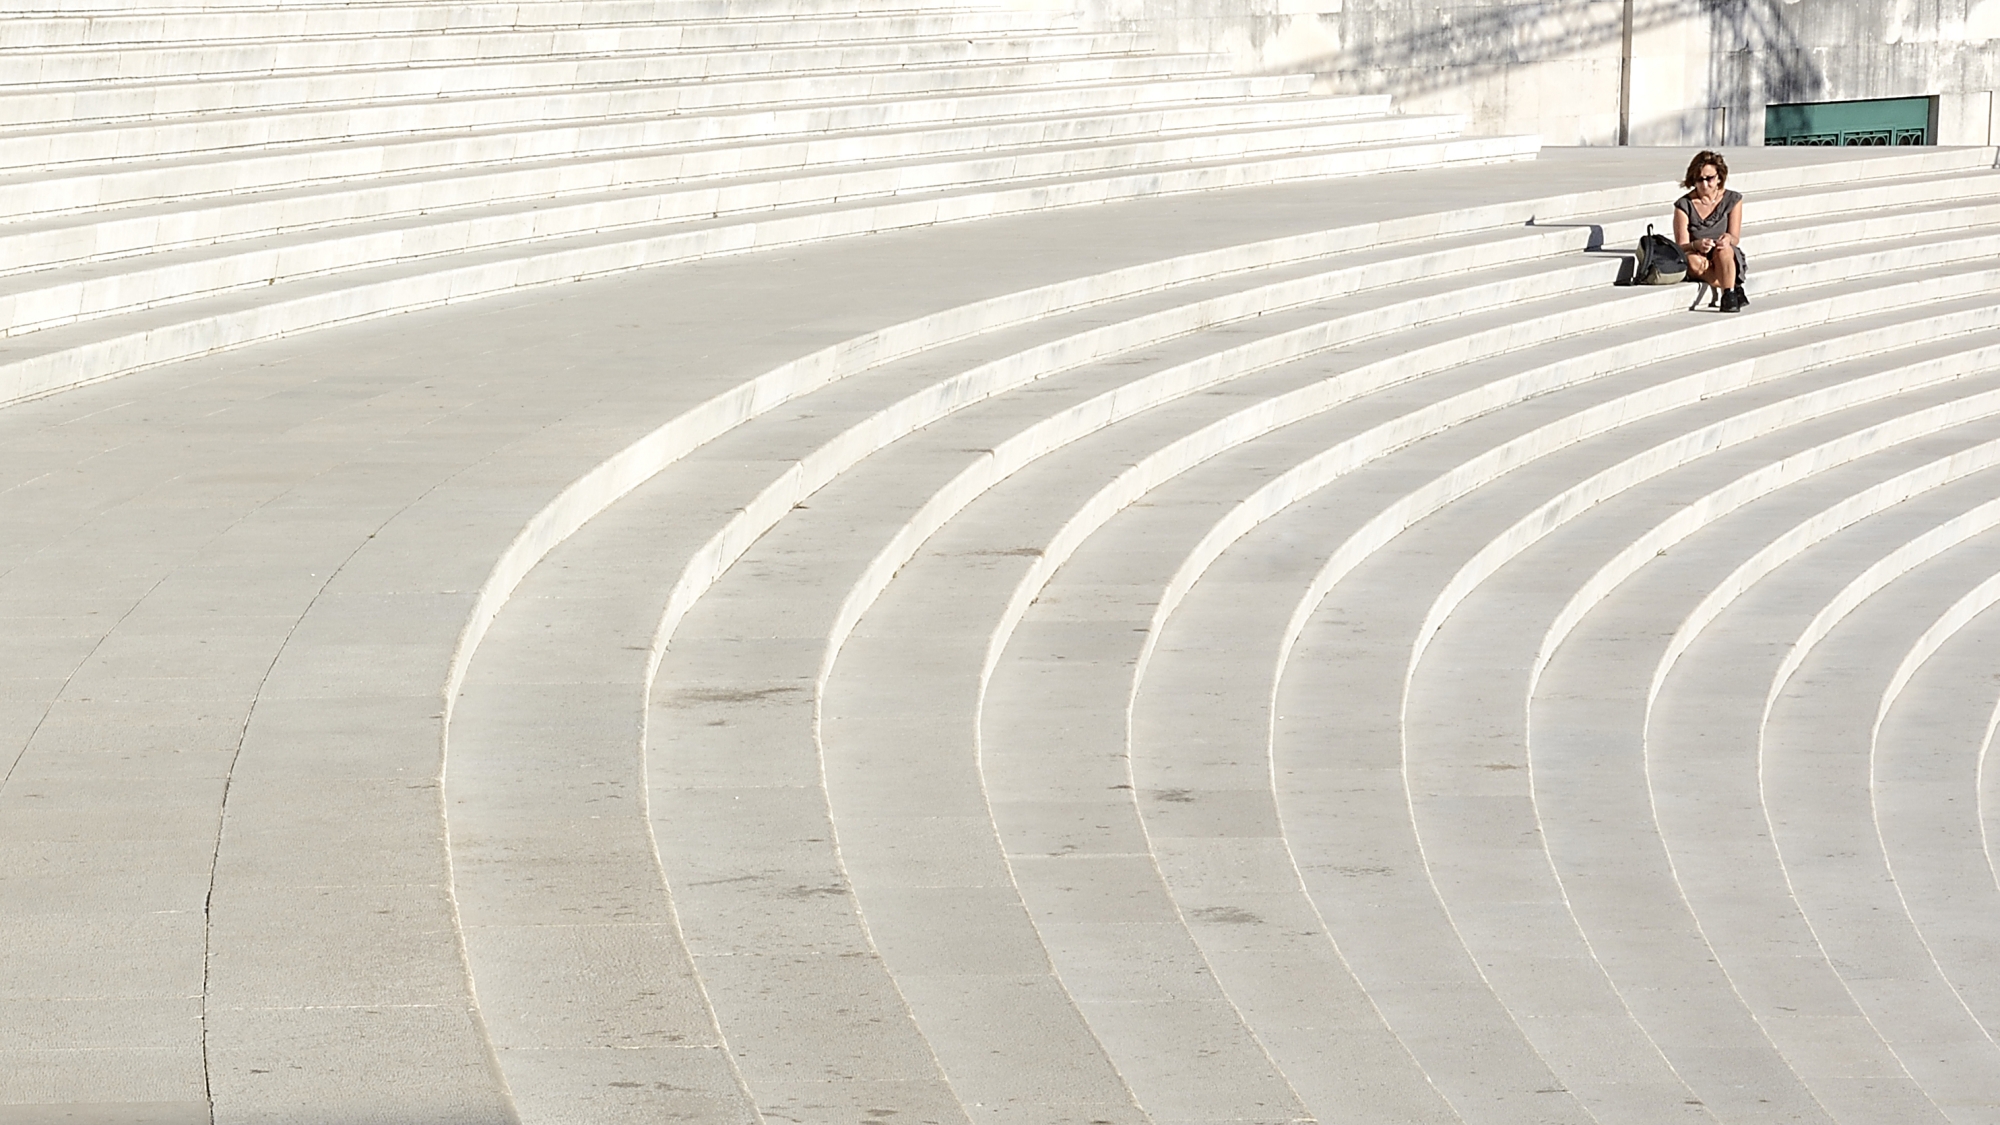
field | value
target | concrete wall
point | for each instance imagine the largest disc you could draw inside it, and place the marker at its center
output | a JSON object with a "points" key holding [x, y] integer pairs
{"points": [[1818, 50], [1702, 70]]}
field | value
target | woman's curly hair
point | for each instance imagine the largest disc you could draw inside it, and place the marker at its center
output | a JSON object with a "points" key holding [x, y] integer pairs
{"points": [[1702, 158]]}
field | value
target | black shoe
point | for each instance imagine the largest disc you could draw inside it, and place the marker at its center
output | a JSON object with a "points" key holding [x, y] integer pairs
{"points": [[1742, 298], [1730, 301]]}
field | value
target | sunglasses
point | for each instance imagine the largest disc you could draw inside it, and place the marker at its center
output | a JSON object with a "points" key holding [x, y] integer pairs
{"points": [[1710, 180]]}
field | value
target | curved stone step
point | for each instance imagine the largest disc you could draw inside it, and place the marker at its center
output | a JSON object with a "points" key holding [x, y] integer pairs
{"points": [[48, 360], [182, 553], [277, 164], [145, 22], [1903, 487], [913, 940], [588, 992], [654, 57], [182, 53], [566, 194], [1819, 797], [1497, 630], [402, 136], [1714, 824], [532, 439], [725, 453], [805, 70], [1208, 769], [1925, 769], [891, 561]]}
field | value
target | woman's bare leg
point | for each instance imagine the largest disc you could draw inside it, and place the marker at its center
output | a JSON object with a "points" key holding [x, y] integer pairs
{"points": [[1719, 271]]}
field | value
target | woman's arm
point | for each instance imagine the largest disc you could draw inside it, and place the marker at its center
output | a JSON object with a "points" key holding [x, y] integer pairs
{"points": [[1734, 237], [1681, 228]]}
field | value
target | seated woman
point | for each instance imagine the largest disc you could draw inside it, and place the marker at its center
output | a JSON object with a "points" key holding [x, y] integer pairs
{"points": [[1708, 225]]}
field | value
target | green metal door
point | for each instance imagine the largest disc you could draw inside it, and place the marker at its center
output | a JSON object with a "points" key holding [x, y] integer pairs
{"points": [[1877, 121]]}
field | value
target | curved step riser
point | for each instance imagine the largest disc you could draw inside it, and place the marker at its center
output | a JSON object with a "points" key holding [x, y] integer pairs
{"points": [[1576, 500], [1788, 545], [1926, 763], [320, 21], [38, 309], [879, 71], [1770, 215], [616, 477], [238, 160], [78, 24], [41, 309], [1056, 554], [188, 57], [107, 358], [385, 197], [1307, 478], [910, 415], [1884, 571], [226, 128], [1313, 475]]}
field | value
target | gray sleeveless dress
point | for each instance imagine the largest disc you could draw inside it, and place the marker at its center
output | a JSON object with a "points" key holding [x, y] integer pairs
{"points": [[1715, 226]]}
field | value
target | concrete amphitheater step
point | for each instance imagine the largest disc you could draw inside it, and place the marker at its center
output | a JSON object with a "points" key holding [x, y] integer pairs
{"points": [[1502, 638], [419, 472], [1926, 767], [562, 194], [1819, 792], [377, 106], [471, 875], [209, 23], [1576, 783], [186, 57], [237, 169], [1195, 776], [443, 541], [652, 54], [56, 358], [613, 118], [751, 447], [1094, 607], [1859, 1068], [585, 981], [883, 565]]}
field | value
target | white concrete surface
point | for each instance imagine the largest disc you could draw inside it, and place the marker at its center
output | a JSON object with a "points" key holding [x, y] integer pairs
{"points": [[185, 184], [1307, 651]]}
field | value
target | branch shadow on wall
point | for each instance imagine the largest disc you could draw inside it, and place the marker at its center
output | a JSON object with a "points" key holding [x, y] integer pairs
{"points": [[1396, 47], [1757, 57]]}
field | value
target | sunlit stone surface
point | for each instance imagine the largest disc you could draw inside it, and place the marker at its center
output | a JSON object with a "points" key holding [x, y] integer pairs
{"points": [[546, 579]]}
